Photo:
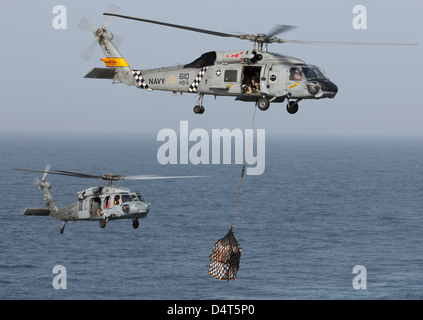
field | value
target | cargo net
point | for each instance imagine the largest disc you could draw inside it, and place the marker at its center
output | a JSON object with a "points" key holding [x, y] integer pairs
{"points": [[224, 260]]}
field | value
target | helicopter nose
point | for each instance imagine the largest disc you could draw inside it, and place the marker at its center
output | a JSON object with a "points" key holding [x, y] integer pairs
{"points": [[328, 88]]}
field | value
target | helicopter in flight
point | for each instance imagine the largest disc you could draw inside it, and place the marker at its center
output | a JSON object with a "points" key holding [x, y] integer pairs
{"points": [[254, 75], [99, 203]]}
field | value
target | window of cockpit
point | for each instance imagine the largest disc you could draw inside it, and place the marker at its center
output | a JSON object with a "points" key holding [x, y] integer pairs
{"points": [[318, 73], [295, 74], [126, 198], [140, 197], [309, 73]]}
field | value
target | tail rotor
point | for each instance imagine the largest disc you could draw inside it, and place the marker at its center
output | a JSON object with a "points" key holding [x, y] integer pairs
{"points": [[46, 170], [40, 183], [113, 9], [86, 25]]}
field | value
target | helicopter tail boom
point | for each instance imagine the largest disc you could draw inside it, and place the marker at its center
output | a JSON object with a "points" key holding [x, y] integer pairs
{"points": [[48, 198], [114, 60]]}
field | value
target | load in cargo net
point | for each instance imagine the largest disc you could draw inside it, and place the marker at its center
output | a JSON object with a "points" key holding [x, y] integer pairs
{"points": [[224, 260]]}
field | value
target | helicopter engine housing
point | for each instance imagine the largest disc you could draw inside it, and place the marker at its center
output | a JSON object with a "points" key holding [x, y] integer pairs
{"points": [[90, 192], [233, 56]]}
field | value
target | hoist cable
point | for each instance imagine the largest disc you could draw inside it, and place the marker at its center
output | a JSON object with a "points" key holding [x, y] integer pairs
{"points": [[243, 166]]}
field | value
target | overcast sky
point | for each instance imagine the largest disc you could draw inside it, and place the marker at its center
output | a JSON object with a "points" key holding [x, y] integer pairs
{"points": [[43, 86]]}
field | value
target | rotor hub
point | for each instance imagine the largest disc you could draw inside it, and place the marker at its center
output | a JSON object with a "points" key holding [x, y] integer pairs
{"points": [[99, 32]]}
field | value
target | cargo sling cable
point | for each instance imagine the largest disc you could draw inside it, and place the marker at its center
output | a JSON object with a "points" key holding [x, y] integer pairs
{"points": [[243, 166], [226, 255]]}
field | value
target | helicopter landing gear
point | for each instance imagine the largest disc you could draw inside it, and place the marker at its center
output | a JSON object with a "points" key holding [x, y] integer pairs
{"points": [[62, 228], [102, 223], [135, 223], [292, 106], [263, 103], [199, 109]]}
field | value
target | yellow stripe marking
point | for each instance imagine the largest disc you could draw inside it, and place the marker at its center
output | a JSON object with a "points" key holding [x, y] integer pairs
{"points": [[294, 85], [115, 62]]}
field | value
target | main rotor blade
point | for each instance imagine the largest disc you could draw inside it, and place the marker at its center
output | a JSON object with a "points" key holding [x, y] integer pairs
{"points": [[280, 29], [63, 173], [347, 43], [41, 171], [108, 177], [153, 177], [112, 9], [214, 33]]}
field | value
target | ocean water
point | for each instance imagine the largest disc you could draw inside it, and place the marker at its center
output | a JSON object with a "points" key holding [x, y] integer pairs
{"points": [[323, 206]]}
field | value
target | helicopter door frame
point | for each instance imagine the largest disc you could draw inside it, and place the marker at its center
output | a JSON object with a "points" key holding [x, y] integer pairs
{"points": [[106, 202], [225, 79], [214, 78], [232, 79], [264, 80], [276, 80], [248, 87], [94, 205], [83, 209], [296, 86]]}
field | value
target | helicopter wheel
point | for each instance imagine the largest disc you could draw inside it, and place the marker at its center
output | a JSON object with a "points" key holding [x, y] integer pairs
{"points": [[102, 223], [263, 103], [199, 109], [292, 107], [135, 223]]}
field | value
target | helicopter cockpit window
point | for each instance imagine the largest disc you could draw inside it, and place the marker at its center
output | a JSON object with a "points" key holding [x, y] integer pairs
{"points": [[140, 197], [309, 73], [295, 74], [318, 73], [206, 59], [126, 198]]}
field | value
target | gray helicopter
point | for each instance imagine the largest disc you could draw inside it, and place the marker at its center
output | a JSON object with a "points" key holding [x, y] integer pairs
{"points": [[254, 75], [100, 203]]}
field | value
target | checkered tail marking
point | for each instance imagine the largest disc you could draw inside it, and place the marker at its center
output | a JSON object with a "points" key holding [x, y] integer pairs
{"points": [[194, 85], [139, 79]]}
